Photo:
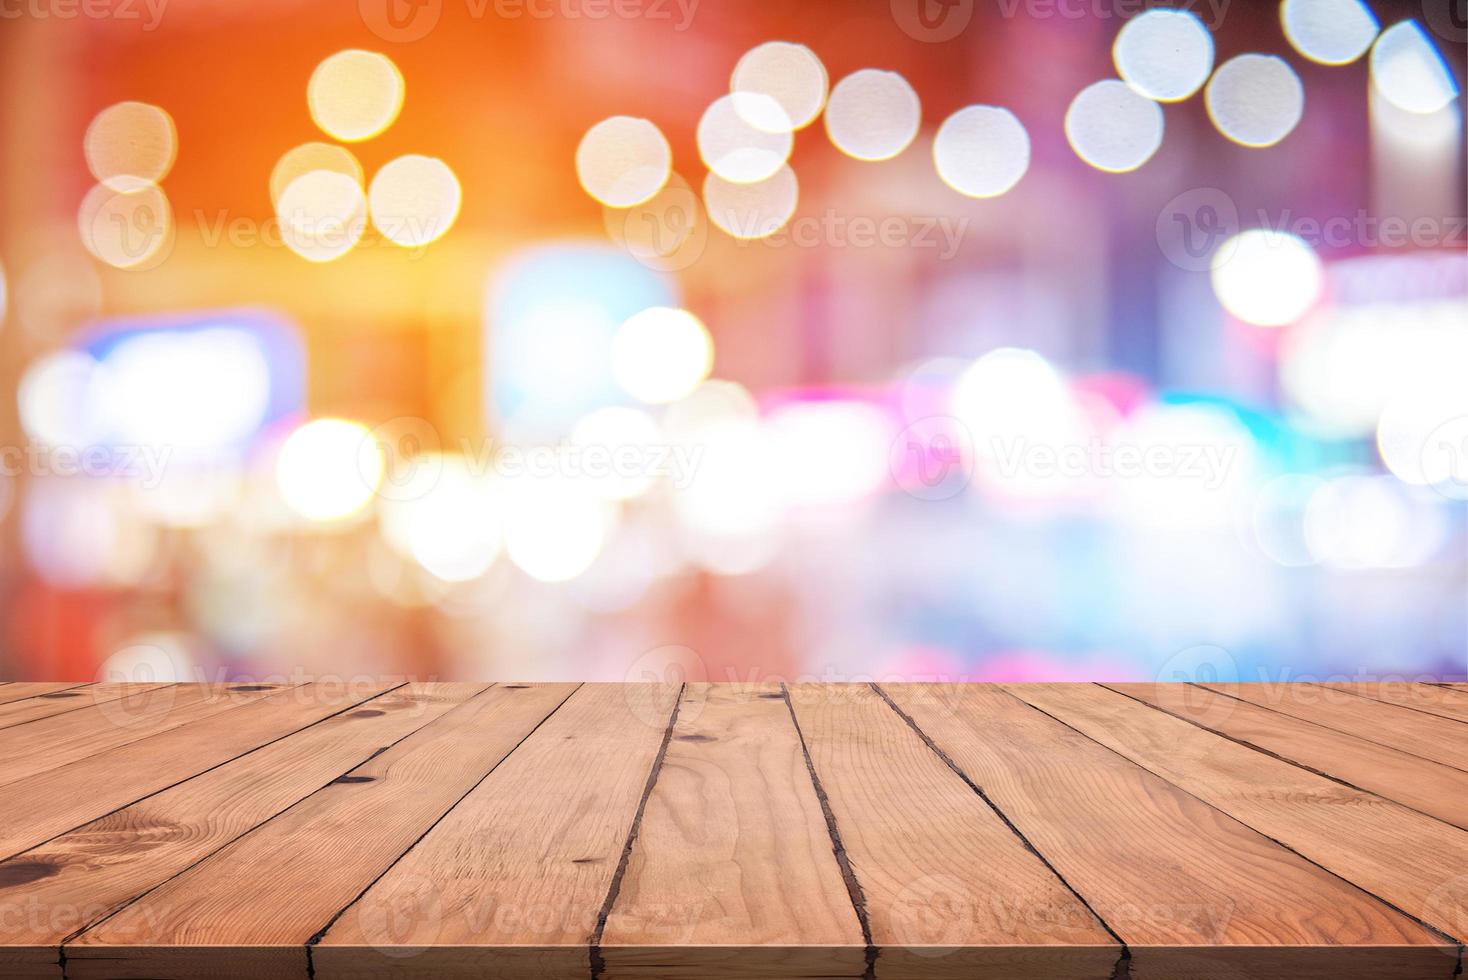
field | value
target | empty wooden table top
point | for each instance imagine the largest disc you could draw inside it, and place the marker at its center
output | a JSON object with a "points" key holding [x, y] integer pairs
{"points": [[733, 830]]}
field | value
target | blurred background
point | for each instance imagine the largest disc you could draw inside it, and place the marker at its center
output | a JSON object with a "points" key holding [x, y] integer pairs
{"points": [[609, 339]]}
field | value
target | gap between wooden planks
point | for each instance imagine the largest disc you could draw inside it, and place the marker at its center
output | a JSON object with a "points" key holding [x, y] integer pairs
{"points": [[630, 831]]}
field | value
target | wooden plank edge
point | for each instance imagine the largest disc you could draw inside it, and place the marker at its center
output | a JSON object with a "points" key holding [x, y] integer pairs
{"points": [[750, 963], [614, 888]]}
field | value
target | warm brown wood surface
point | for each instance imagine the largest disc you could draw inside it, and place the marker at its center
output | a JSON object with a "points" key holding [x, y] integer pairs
{"points": [[1431, 787], [1424, 697], [61, 702], [733, 830], [1416, 732]]}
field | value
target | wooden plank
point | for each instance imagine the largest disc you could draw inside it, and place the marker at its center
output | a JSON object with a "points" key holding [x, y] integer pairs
{"points": [[1386, 724], [1410, 860], [947, 888], [512, 882], [267, 893], [20, 690], [61, 702], [1423, 697], [55, 742], [52, 892], [1216, 893], [50, 803], [733, 852], [1421, 784]]}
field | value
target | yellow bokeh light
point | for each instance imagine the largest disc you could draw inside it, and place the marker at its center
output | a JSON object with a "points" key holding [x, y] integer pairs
{"points": [[751, 210], [64, 398], [872, 114], [791, 74], [354, 95], [981, 151], [661, 354], [1164, 54], [301, 160], [623, 161], [329, 469], [1331, 32], [1267, 278], [555, 526], [1409, 71], [322, 215], [617, 432], [736, 149], [1255, 99], [127, 229], [414, 199], [130, 145], [1113, 127], [445, 516]]}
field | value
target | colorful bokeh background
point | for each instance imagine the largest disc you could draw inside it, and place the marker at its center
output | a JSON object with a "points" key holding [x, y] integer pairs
{"points": [[1203, 417]]}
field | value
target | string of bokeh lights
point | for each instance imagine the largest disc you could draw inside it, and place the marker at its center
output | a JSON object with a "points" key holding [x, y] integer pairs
{"points": [[322, 206], [745, 138], [330, 472]]}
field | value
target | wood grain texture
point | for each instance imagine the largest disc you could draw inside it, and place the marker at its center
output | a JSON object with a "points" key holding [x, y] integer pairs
{"points": [[52, 892], [1214, 888], [20, 690], [1428, 698], [57, 800], [323, 852], [1434, 789], [1429, 737], [733, 851], [946, 886], [1410, 860], [60, 702], [744, 832], [55, 742], [513, 881]]}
